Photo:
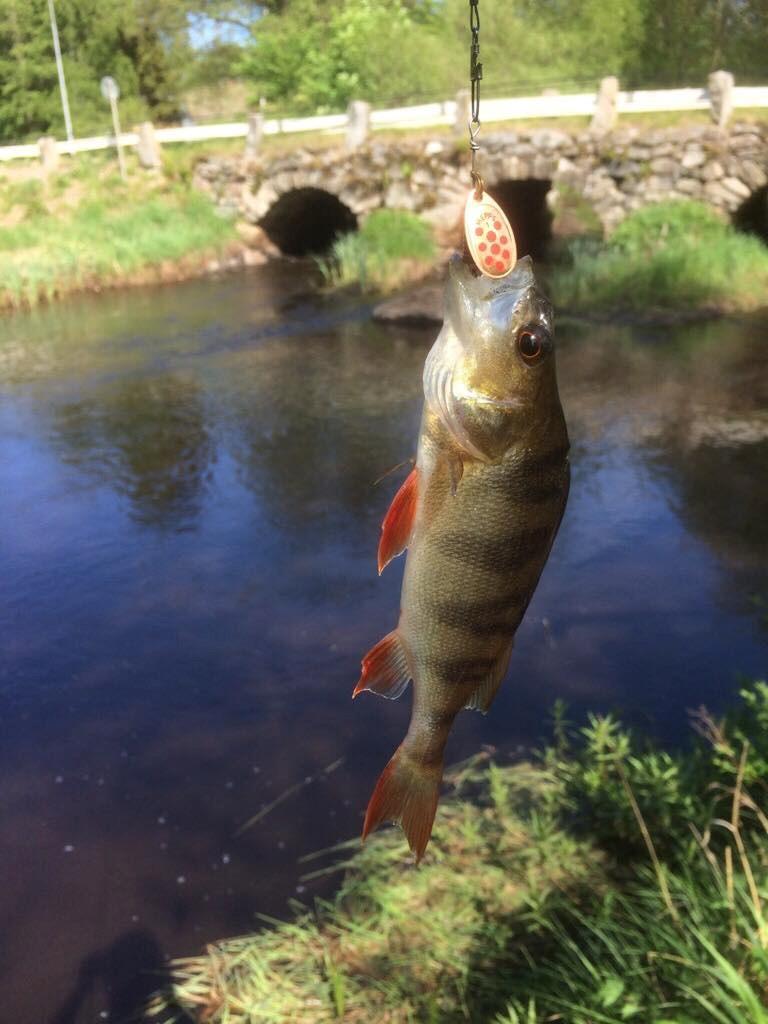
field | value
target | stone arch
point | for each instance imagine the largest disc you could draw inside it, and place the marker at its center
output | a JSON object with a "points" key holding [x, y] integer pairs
{"points": [[524, 200], [752, 215], [306, 220]]}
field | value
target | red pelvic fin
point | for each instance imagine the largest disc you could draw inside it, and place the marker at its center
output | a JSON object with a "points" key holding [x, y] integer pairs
{"points": [[406, 793], [398, 523], [385, 668]]}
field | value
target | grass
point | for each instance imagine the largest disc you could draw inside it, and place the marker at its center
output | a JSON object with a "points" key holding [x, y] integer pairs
{"points": [[87, 228], [608, 882], [391, 248], [672, 255]]}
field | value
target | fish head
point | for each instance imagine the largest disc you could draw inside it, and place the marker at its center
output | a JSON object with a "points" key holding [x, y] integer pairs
{"points": [[490, 376]]}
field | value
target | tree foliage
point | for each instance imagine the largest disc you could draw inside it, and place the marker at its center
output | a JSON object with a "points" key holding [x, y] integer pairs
{"points": [[307, 55], [133, 42]]}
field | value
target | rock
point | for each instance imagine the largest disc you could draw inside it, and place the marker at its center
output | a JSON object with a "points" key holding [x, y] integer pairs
{"points": [[712, 170], [434, 148], [398, 196], [693, 157], [257, 206], [257, 240], [549, 139], [664, 165], [420, 307], [754, 175], [688, 185], [422, 178], [737, 187], [717, 194], [254, 258]]}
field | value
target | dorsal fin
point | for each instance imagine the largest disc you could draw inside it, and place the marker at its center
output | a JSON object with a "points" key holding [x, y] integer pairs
{"points": [[398, 523]]}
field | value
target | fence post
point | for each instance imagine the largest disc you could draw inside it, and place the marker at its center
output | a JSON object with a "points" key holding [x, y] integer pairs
{"points": [[720, 90], [606, 113], [254, 136], [358, 123], [49, 154], [461, 117], [148, 148]]}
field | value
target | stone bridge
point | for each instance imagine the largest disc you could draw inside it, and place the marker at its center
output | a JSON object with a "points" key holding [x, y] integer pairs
{"points": [[302, 199]]}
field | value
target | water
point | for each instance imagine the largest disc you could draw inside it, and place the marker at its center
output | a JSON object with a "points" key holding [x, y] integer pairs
{"points": [[188, 528]]}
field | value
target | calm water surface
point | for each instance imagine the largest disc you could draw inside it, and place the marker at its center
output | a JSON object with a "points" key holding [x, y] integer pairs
{"points": [[188, 530]]}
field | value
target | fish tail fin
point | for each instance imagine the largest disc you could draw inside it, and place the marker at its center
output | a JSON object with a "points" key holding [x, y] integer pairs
{"points": [[406, 793]]}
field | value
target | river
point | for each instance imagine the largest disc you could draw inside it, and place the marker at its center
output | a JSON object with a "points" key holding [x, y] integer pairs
{"points": [[188, 531]]}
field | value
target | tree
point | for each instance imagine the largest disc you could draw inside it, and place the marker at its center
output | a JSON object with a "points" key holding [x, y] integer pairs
{"points": [[319, 57], [138, 43]]}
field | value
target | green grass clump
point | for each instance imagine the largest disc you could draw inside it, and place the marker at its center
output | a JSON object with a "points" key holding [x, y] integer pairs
{"points": [[609, 882], [391, 247], [90, 229], [672, 255]]}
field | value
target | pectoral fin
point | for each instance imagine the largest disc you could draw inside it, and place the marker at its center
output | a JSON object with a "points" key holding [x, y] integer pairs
{"points": [[398, 523], [385, 668]]}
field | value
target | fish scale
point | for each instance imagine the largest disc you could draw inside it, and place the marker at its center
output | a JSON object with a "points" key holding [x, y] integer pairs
{"points": [[478, 515]]}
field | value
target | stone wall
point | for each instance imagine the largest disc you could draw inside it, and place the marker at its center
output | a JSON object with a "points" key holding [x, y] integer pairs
{"points": [[615, 173]]}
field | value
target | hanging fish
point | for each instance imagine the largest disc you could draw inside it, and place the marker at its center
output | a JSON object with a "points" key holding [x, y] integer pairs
{"points": [[478, 514]]}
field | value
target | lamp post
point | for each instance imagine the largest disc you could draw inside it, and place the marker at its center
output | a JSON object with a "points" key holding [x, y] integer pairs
{"points": [[62, 80]]}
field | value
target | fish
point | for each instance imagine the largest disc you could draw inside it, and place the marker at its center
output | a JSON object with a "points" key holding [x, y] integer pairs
{"points": [[478, 515]]}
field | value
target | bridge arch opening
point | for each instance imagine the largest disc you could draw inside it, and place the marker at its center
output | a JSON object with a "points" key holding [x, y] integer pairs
{"points": [[525, 204], [752, 216], [306, 221]]}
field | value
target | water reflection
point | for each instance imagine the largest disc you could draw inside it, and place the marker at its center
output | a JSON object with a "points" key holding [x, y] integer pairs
{"points": [[312, 426], [147, 438], [189, 526]]}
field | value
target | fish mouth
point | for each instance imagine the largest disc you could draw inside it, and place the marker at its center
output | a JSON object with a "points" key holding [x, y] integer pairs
{"points": [[497, 299]]}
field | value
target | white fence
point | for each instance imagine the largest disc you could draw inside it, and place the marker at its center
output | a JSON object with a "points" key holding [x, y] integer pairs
{"points": [[424, 116]]}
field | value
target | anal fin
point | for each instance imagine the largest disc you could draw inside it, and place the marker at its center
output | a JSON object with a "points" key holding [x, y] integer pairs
{"points": [[398, 523], [385, 668], [483, 696]]}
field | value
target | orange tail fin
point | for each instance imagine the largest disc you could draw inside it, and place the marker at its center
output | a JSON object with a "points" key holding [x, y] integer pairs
{"points": [[407, 793]]}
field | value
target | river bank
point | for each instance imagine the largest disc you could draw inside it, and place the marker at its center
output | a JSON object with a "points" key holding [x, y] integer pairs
{"points": [[87, 230], [607, 881]]}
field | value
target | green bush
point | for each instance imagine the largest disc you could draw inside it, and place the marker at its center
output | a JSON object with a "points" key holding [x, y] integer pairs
{"points": [[382, 254], [655, 913], [674, 255], [116, 230]]}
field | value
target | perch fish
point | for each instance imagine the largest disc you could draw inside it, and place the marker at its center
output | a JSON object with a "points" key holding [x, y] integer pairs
{"points": [[478, 515]]}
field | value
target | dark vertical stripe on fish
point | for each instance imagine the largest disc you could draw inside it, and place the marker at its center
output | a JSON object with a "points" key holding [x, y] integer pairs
{"points": [[495, 554]]}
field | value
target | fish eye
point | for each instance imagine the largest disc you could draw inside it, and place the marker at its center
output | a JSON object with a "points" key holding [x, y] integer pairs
{"points": [[531, 342]]}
